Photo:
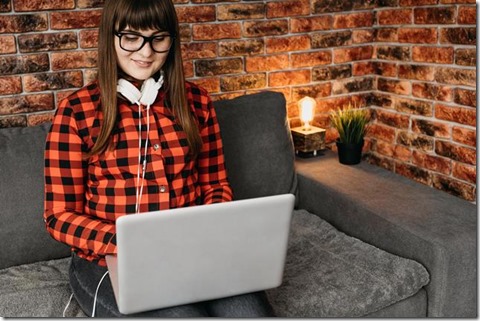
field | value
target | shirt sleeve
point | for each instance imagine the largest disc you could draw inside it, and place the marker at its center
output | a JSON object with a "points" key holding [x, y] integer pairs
{"points": [[65, 177], [211, 163]]}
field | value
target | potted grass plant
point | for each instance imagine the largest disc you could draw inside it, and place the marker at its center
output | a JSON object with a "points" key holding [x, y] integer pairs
{"points": [[351, 124]]}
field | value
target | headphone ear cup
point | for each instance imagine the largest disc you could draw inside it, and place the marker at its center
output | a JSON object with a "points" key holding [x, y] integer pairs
{"points": [[128, 91], [148, 92]]}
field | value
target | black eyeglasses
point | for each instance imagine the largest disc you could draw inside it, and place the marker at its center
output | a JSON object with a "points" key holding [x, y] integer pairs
{"points": [[133, 42]]}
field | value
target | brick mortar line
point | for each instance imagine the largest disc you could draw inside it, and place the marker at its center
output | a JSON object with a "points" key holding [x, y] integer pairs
{"points": [[216, 5], [429, 6], [417, 81], [409, 162], [424, 25], [426, 64], [42, 112], [433, 153], [42, 92], [447, 103], [355, 93], [48, 11], [434, 45], [421, 117]]}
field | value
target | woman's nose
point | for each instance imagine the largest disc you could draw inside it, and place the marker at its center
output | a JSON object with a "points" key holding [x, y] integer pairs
{"points": [[146, 50]]}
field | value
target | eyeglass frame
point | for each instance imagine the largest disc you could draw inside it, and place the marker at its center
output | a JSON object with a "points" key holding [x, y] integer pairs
{"points": [[119, 34]]}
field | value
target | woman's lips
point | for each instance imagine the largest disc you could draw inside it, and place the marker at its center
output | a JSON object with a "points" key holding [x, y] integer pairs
{"points": [[141, 63]]}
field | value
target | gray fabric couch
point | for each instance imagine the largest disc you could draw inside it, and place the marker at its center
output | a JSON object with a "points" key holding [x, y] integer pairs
{"points": [[347, 257]]}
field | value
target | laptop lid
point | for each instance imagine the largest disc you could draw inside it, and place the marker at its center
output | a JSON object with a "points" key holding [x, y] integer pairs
{"points": [[186, 255]]}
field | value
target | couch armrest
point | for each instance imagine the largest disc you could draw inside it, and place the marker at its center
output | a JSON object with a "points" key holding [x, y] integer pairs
{"points": [[403, 217]]}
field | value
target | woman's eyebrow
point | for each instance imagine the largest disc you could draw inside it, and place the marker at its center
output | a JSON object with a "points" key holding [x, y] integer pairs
{"points": [[155, 34], [161, 33]]}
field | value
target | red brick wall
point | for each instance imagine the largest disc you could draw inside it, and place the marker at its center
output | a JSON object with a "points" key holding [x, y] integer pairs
{"points": [[424, 102], [412, 61]]}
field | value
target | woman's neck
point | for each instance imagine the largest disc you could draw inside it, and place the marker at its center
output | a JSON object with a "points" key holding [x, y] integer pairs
{"points": [[136, 82]]}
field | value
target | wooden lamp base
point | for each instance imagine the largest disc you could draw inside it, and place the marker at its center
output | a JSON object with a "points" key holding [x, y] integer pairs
{"points": [[308, 142]]}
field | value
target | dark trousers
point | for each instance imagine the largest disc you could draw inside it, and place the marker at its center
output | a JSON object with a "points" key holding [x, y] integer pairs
{"points": [[85, 276]]}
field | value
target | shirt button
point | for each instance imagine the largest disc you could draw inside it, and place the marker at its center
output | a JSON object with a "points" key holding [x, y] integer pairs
{"points": [[156, 147], [162, 189]]}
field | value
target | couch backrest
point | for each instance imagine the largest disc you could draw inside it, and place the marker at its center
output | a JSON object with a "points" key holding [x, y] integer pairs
{"points": [[23, 236], [258, 147], [259, 158]]}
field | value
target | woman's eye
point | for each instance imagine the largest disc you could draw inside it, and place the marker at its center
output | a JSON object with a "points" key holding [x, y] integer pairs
{"points": [[131, 38], [159, 39]]}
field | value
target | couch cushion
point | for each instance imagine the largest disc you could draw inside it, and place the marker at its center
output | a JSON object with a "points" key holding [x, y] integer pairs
{"points": [[330, 274], [257, 143], [39, 289], [23, 236]]}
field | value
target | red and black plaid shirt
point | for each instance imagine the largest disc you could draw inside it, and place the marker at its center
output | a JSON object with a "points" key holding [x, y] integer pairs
{"points": [[83, 198]]}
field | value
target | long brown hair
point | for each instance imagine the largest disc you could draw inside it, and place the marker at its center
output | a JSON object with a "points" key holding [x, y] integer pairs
{"points": [[141, 14]]}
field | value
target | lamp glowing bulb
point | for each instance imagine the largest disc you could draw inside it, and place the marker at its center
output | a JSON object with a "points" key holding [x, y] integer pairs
{"points": [[307, 111]]}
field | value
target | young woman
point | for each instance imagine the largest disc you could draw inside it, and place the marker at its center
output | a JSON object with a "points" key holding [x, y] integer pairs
{"points": [[139, 138]]}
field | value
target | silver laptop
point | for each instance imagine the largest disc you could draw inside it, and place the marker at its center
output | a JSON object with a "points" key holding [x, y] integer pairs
{"points": [[186, 255]]}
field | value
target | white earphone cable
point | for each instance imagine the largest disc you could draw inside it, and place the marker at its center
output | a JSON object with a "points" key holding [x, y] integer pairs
{"points": [[142, 164], [137, 196], [145, 97], [96, 294], [68, 304]]}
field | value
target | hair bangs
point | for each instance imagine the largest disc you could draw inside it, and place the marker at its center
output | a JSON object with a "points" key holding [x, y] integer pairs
{"points": [[147, 14]]}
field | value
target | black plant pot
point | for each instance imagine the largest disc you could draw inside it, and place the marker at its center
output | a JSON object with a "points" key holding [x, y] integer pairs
{"points": [[349, 153]]}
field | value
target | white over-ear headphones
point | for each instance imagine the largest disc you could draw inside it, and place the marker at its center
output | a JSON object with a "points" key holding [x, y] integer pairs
{"points": [[146, 96]]}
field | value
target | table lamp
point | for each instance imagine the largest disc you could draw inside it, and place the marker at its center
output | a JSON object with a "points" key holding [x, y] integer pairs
{"points": [[308, 140]]}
